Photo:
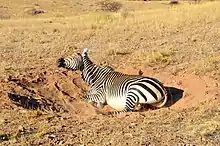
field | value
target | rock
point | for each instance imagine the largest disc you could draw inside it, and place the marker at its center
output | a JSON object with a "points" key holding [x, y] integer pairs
{"points": [[34, 11], [51, 136], [133, 124], [60, 143], [140, 72], [21, 128]]}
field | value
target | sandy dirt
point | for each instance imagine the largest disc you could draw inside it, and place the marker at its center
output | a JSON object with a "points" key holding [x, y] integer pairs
{"points": [[176, 44], [78, 123]]}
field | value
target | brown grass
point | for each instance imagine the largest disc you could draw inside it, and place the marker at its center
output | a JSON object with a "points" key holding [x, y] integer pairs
{"points": [[156, 28], [111, 6], [205, 123], [126, 33], [163, 58]]}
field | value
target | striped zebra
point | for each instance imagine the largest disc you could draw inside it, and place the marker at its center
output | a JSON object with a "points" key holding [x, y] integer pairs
{"points": [[120, 91]]}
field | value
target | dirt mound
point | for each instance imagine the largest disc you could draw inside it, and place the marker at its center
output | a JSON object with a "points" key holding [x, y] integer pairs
{"points": [[67, 88], [64, 88]]}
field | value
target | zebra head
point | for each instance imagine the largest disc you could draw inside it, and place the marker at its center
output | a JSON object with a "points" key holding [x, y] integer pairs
{"points": [[73, 62]]}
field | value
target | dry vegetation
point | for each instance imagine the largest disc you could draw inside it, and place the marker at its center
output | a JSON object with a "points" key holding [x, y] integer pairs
{"points": [[136, 28], [167, 41]]}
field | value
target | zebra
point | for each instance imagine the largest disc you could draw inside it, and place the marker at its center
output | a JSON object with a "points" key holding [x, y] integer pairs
{"points": [[120, 91], [74, 63]]}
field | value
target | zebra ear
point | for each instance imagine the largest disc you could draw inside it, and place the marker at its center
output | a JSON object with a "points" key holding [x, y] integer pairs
{"points": [[85, 51]]}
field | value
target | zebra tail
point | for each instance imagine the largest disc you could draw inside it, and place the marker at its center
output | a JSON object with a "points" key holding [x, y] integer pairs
{"points": [[163, 102]]}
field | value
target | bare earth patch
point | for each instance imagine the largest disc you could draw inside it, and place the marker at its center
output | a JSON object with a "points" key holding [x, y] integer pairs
{"points": [[80, 123], [177, 44]]}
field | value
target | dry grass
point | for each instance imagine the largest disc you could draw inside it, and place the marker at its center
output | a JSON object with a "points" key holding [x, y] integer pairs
{"points": [[152, 33], [205, 123], [25, 126], [209, 64], [163, 58], [111, 6], [36, 41]]}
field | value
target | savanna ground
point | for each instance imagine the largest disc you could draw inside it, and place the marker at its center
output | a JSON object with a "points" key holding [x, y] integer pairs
{"points": [[178, 44]]}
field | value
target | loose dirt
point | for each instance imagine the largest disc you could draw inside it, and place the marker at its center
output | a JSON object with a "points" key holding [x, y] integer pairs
{"points": [[176, 44], [79, 123]]}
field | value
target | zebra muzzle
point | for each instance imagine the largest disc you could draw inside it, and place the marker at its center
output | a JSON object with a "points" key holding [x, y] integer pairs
{"points": [[60, 62]]}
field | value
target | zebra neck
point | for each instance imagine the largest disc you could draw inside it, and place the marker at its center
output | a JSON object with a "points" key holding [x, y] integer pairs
{"points": [[88, 75], [90, 70], [86, 61]]}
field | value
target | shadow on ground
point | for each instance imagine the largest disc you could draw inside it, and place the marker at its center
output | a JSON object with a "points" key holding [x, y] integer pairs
{"points": [[32, 103], [24, 101]]}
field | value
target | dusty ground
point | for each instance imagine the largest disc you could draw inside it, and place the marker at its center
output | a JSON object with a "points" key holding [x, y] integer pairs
{"points": [[176, 44]]}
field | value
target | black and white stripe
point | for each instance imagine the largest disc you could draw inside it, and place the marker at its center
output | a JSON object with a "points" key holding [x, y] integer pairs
{"points": [[73, 62], [120, 91]]}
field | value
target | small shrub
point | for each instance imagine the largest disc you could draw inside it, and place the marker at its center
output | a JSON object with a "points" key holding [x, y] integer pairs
{"points": [[124, 13], [109, 6], [174, 2], [207, 64], [34, 11], [4, 14]]}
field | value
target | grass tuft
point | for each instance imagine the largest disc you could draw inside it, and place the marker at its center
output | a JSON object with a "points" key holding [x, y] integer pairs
{"points": [[203, 127], [205, 123], [110, 6], [207, 65], [160, 57]]}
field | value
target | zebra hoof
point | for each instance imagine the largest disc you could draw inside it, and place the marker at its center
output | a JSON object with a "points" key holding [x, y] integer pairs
{"points": [[93, 103], [84, 99], [100, 105], [88, 101], [60, 62]]}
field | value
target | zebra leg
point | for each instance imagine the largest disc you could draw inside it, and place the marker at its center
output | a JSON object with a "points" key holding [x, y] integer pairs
{"points": [[114, 113], [130, 104], [95, 99], [86, 99], [137, 107], [100, 105], [129, 107]]}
